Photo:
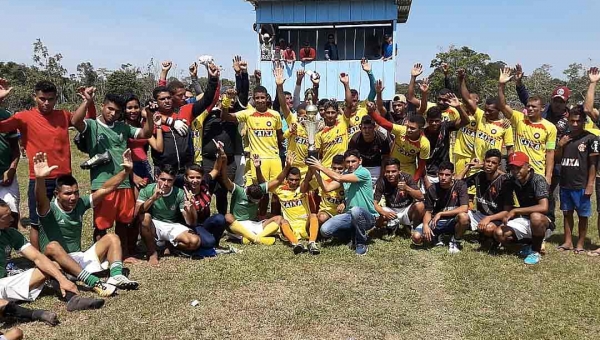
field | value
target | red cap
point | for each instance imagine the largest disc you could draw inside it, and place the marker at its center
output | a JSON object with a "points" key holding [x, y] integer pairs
{"points": [[518, 158], [562, 92]]}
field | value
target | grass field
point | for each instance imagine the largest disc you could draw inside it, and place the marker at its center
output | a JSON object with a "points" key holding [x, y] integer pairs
{"points": [[394, 292]]}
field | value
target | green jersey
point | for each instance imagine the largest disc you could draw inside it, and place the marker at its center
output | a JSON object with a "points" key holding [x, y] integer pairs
{"points": [[113, 139], [64, 227], [10, 238], [168, 208], [5, 151], [241, 207], [360, 194]]}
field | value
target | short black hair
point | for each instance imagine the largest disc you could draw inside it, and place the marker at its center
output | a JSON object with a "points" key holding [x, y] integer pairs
{"points": [[367, 120], [338, 159], [446, 165], [417, 119], [537, 98], [3, 204], [194, 167], [260, 89], [322, 102], [159, 89], [578, 111], [491, 101], [306, 44], [354, 92], [444, 92], [493, 153], [294, 171], [352, 152], [67, 180], [254, 191], [168, 169], [175, 85], [115, 99], [45, 87], [287, 93], [331, 103], [391, 161], [434, 112]]}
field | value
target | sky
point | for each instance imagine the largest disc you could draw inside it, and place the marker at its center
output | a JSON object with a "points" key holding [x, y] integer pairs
{"points": [[109, 33]]}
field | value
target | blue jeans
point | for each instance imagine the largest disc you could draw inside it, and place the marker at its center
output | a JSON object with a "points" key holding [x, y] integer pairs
{"points": [[354, 223], [211, 231]]}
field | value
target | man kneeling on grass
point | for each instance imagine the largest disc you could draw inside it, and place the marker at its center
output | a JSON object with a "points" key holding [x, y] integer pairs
{"points": [[163, 207], [62, 223], [446, 207], [242, 219], [492, 194], [27, 286], [403, 198], [298, 222], [529, 222]]}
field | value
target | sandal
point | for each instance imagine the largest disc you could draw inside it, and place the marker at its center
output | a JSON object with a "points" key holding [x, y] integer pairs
{"points": [[562, 248], [579, 251], [594, 253]]}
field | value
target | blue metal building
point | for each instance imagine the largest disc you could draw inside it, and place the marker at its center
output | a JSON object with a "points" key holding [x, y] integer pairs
{"points": [[358, 26]]}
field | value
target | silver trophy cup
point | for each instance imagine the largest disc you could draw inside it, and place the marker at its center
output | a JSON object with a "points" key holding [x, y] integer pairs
{"points": [[311, 124]]}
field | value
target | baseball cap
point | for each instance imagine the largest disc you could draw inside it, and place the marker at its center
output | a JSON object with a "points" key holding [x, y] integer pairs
{"points": [[562, 92], [400, 97], [518, 158]]}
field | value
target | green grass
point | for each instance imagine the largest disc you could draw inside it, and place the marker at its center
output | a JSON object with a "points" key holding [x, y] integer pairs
{"points": [[394, 292]]}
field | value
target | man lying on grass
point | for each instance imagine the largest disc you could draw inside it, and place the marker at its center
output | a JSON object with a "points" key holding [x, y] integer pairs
{"points": [[27, 286], [62, 224]]}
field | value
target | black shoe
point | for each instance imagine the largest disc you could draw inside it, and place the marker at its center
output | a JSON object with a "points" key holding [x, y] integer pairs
{"points": [[299, 249], [97, 160]]}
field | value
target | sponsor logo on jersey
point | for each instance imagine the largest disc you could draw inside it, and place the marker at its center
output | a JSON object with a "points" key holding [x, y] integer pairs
{"points": [[570, 162], [263, 133]]}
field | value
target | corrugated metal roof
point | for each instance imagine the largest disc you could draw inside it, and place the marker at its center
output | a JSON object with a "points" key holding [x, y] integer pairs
{"points": [[403, 6]]}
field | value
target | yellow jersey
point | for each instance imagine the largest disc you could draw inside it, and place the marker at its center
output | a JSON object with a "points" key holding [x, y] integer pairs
{"points": [[261, 129], [331, 141], [298, 142], [197, 127], [294, 205], [407, 151], [450, 114], [464, 145], [534, 139], [491, 135], [331, 200], [353, 123]]}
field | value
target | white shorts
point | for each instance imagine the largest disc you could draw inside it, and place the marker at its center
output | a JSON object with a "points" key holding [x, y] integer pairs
{"points": [[475, 217], [166, 231], [521, 226], [89, 260], [402, 213], [240, 171], [10, 195], [16, 287]]}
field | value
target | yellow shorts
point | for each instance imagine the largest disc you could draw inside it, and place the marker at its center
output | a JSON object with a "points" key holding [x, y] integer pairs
{"points": [[270, 168], [328, 207], [299, 229]]}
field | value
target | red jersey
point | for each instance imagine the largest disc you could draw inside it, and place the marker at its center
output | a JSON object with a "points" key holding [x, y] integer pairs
{"points": [[44, 133]]}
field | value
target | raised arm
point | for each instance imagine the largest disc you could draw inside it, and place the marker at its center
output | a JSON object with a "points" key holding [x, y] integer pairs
{"points": [[504, 78], [190, 215], [194, 77], [113, 183], [416, 71], [77, 119], [305, 185], [463, 117], [588, 105], [341, 178], [316, 80], [211, 90], [464, 91], [379, 98], [447, 82], [226, 115], [279, 81], [299, 77], [424, 86], [156, 142], [379, 119], [327, 187], [164, 72], [366, 66], [42, 171], [345, 79], [227, 183], [522, 91]]}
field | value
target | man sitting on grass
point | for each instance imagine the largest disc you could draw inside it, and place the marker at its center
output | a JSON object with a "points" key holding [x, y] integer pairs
{"points": [[492, 193], [62, 224], [529, 222], [403, 198], [164, 208], [298, 222], [446, 207], [242, 219], [28, 285]]}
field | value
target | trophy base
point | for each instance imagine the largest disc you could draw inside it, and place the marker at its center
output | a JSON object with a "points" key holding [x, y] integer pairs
{"points": [[312, 153]]}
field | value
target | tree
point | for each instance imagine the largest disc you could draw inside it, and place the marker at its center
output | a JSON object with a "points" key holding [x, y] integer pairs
{"points": [[87, 74], [577, 82]]}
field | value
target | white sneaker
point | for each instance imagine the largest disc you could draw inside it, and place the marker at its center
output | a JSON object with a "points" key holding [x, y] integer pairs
{"points": [[122, 282]]}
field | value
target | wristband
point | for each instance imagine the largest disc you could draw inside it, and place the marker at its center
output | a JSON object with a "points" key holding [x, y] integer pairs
{"points": [[170, 121]]}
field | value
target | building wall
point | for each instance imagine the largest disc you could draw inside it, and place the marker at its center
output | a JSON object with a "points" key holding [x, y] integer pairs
{"points": [[330, 85], [325, 11]]}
